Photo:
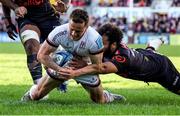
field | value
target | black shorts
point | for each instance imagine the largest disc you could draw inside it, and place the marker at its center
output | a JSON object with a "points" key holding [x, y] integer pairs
{"points": [[46, 23], [164, 72], [170, 78]]}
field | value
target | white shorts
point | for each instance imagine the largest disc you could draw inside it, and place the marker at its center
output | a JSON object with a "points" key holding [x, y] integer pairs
{"points": [[89, 80]]}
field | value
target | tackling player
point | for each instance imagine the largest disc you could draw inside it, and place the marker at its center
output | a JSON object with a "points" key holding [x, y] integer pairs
{"points": [[35, 18], [78, 38], [137, 64]]}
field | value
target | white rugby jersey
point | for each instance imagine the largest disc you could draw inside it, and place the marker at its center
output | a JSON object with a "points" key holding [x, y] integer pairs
{"points": [[90, 42]]}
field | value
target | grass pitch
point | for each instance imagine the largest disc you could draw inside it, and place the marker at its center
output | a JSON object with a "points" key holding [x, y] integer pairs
{"points": [[141, 98]]}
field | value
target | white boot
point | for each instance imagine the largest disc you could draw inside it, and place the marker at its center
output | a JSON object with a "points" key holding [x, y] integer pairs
{"points": [[28, 95], [156, 43], [110, 97]]}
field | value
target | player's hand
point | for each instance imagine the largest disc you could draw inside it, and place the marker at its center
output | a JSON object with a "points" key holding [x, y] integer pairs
{"points": [[68, 73], [60, 6], [77, 63], [12, 31], [20, 11]]}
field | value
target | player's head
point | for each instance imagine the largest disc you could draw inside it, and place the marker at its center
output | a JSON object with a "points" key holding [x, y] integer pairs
{"points": [[112, 36], [78, 23]]}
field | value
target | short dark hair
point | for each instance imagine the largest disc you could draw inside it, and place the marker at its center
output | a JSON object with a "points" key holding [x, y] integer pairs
{"points": [[113, 33], [79, 16]]}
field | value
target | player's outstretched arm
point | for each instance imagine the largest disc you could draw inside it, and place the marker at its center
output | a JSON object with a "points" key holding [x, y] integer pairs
{"points": [[103, 68], [44, 56]]}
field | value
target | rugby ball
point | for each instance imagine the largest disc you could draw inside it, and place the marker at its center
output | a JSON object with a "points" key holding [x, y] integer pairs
{"points": [[62, 57]]}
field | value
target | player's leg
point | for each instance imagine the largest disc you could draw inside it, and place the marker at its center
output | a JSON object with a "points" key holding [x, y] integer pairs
{"points": [[154, 44], [30, 35], [46, 27], [98, 95], [92, 85], [171, 77], [38, 91]]}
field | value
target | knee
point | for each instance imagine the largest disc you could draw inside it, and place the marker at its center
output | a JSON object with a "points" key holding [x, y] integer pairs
{"points": [[31, 48]]}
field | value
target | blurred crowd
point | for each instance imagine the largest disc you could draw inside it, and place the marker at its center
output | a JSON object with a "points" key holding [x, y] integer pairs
{"points": [[124, 3], [158, 23], [176, 3], [81, 2], [119, 3]]}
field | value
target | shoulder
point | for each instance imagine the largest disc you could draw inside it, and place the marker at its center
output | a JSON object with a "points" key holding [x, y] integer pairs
{"points": [[57, 35], [92, 32], [94, 39], [93, 36], [59, 31]]}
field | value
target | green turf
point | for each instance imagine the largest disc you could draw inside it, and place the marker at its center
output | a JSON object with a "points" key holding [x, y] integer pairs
{"points": [[18, 48], [141, 98]]}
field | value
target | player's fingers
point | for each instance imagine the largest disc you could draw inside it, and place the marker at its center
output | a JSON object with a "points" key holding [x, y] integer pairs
{"points": [[22, 10], [19, 15], [70, 68], [72, 63], [10, 36], [64, 73], [14, 34]]}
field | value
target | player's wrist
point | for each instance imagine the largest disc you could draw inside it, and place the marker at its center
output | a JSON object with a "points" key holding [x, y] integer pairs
{"points": [[76, 73]]}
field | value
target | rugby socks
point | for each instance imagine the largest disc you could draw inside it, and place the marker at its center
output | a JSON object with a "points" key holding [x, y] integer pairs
{"points": [[34, 67], [156, 43]]}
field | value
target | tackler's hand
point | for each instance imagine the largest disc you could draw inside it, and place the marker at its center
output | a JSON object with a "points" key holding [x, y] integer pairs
{"points": [[60, 6], [67, 73], [77, 63], [12, 31], [20, 11]]}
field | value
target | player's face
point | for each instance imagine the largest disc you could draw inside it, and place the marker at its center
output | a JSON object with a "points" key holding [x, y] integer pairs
{"points": [[105, 42], [107, 46], [77, 30]]}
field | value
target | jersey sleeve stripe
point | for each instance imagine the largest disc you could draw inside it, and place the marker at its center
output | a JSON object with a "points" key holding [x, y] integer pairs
{"points": [[100, 51], [50, 43]]}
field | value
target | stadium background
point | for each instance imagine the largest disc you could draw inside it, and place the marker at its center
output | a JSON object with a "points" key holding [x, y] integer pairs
{"points": [[140, 21]]}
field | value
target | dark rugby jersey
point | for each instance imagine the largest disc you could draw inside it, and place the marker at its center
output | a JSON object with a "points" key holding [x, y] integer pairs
{"points": [[139, 64], [37, 9]]}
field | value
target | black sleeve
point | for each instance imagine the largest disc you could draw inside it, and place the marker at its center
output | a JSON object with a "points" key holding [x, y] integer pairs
{"points": [[121, 62]]}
